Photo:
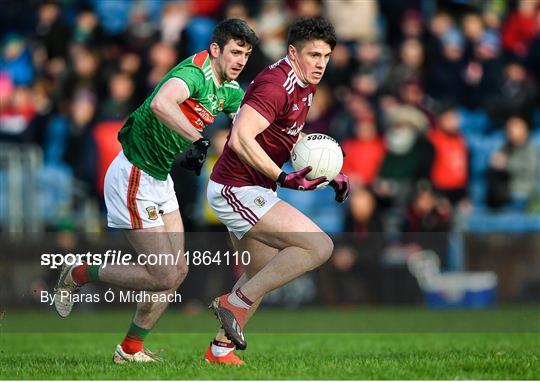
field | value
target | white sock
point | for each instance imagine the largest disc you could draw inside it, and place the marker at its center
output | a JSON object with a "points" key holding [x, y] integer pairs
{"points": [[220, 351], [237, 301]]}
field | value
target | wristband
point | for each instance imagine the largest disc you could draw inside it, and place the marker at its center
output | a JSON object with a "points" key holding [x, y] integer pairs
{"points": [[281, 178]]}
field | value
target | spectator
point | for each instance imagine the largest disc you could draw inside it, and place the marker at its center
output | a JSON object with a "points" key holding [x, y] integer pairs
{"points": [[16, 112], [344, 16], [426, 213], [84, 73], [409, 66], [473, 31], [515, 94], [341, 68], [427, 221], [87, 29], [308, 8], [272, 30], [162, 58], [533, 59], [408, 158], [513, 177], [373, 59], [519, 29], [321, 112], [69, 139], [119, 103], [16, 60], [174, 18], [411, 25], [411, 93], [449, 172], [140, 32], [445, 72], [362, 217], [51, 32], [366, 150], [483, 71]]}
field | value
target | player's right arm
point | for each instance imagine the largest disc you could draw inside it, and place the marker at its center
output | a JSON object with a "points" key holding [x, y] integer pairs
{"points": [[165, 107], [247, 125]]}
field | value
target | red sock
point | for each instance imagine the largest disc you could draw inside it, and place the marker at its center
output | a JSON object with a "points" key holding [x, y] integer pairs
{"points": [[131, 345], [80, 274]]}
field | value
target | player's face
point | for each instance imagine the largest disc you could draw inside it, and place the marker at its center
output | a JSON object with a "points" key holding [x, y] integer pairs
{"points": [[231, 60], [311, 60]]}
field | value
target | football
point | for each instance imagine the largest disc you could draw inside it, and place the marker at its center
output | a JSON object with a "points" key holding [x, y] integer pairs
{"points": [[319, 151]]}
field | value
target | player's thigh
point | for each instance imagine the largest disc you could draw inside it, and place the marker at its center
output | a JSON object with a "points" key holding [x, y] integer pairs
{"points": [[284, 226], [260, 253], [150, 245]]}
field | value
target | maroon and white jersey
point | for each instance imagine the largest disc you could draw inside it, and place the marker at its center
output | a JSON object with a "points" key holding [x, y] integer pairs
{"points": [[283, 100]]}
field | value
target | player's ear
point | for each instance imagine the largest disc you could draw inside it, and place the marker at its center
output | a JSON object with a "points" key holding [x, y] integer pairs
{"points": [[291, 50], [215, 50]]}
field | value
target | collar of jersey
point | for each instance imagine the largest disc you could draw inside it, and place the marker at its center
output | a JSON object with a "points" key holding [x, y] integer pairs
{"points": [[302, 85]]}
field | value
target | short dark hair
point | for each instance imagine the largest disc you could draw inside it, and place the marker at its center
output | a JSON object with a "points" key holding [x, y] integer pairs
{"points": [[234, 29], [311, 28]]}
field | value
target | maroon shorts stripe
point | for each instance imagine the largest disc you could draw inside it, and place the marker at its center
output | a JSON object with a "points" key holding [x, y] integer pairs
{"points": [[235, 206], [245, 208], [133, 188]]}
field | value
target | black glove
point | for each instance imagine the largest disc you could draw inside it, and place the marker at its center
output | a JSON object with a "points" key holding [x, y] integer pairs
{"points": [[195, 155], [341, 186]]}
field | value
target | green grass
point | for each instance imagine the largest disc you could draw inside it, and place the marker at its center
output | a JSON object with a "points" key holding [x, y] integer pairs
{"points": [[299, 355]]}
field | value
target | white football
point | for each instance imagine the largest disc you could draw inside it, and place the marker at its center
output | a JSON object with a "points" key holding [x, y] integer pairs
{"points": [[319, 151]]}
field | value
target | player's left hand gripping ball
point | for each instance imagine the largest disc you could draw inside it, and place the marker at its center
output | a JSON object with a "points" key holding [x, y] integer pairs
{"points": [[195, 155], [341, 186]]}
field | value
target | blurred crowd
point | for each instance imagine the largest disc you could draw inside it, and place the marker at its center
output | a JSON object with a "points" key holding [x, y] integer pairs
{"points": [[436, 103]]}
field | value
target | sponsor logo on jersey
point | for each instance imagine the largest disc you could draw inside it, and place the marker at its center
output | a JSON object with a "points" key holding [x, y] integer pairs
{"points": [[293, 130], [295, 107], [197, 114], [221, 103], [260, 201], [152, 212]]}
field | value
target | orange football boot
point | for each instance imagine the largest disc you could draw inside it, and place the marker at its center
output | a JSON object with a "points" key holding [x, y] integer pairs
{"points": [[229, 359]]}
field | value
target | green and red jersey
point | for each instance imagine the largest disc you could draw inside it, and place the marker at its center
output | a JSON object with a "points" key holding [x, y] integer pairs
{"points": [[152, 146]]}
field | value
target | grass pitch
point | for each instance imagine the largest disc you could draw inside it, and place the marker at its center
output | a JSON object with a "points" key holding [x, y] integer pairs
{"points": [[308, 353]]}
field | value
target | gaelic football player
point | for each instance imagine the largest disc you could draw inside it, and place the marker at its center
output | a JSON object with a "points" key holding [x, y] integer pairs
{"points": [[282, 241], [139, 192]]}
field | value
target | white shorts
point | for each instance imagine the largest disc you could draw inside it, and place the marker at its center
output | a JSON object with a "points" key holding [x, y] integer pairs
{"points": [[135, 199], [240, 208]]}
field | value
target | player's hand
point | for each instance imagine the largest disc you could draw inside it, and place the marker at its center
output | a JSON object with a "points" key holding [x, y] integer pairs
{"points": [[195, 155], [297, 180], [341, 186]]}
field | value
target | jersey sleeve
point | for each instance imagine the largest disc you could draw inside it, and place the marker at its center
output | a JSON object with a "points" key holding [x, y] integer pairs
{"points": [[192, 76], [268, 99], [233, 102]]}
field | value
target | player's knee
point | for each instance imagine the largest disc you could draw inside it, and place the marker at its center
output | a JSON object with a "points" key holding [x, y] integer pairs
{"points": [[168, 280], [322, 247], [182, 271]]}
